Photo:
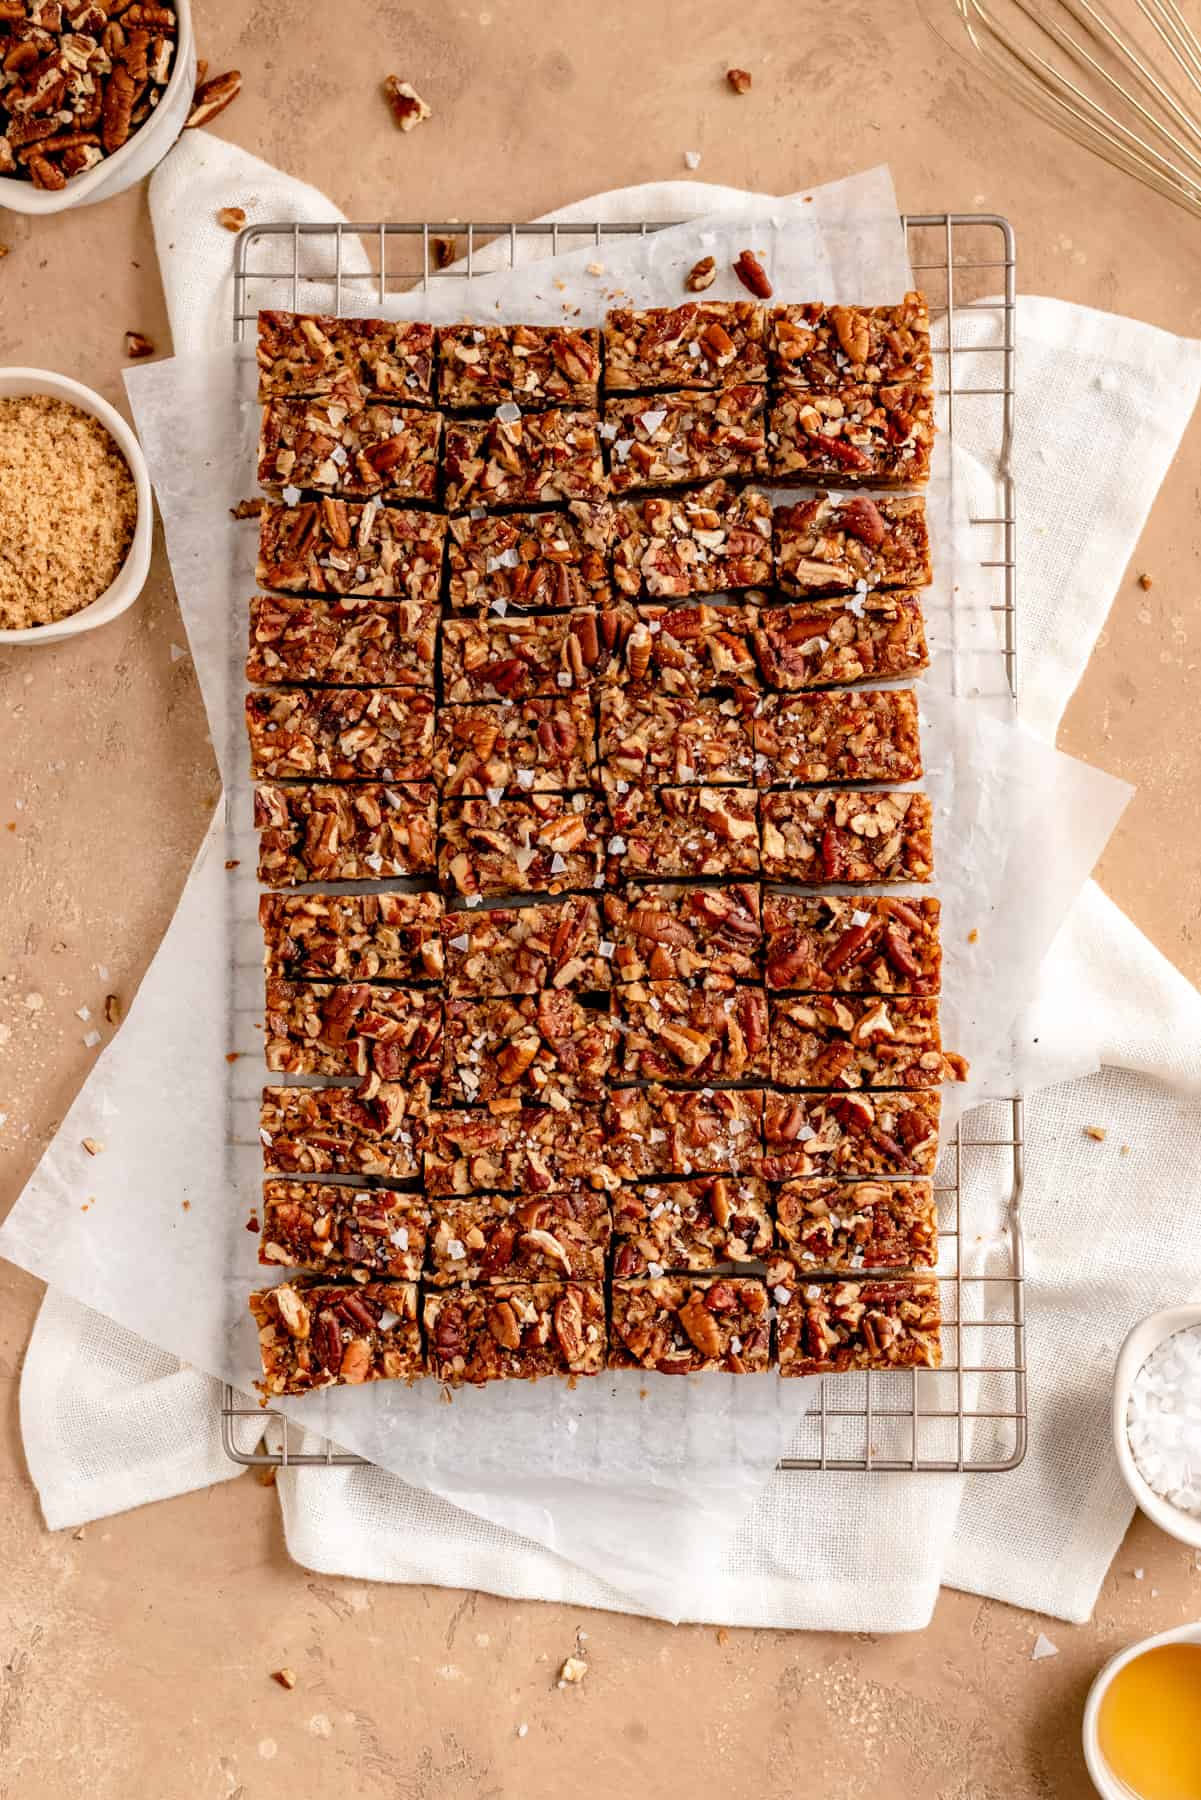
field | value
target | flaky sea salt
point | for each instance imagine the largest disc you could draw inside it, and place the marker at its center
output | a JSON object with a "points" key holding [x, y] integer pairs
{"points": [[1163, 1420]]}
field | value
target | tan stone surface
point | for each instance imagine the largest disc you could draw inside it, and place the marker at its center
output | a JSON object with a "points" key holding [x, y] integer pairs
{"points": [[136, 1660]]}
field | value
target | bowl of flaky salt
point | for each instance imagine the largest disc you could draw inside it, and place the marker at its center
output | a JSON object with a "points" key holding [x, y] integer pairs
{"points": [[1157, 1419]]}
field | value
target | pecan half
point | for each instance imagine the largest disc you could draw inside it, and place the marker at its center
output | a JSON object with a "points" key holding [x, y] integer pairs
{"points": [[408, 108], [739, 80], [753, 275], [701, 275], [212, 97]]}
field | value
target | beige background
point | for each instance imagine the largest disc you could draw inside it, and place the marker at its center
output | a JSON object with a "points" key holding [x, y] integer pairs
{"points": [[135, 1658]]}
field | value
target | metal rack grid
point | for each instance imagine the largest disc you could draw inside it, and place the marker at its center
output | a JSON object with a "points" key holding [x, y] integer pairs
{"points": [[971, 1415]]}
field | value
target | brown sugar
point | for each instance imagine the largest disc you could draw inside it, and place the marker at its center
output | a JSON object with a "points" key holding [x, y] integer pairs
{"points": [[68, 507]]}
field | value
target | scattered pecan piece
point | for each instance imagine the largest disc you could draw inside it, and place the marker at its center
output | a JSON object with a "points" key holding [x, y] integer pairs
{"points": [[247, 509], [739, 80], [701, 275], [112, 1009], [285, 1677], [446, 249], [136, 345], [212, 97], [1097, 1132], [753, 275], [1144, 581], [408, 108], [232, 217]]}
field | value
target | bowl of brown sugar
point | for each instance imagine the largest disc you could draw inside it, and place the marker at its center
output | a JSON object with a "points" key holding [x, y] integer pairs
{"points": [[75, 509]]}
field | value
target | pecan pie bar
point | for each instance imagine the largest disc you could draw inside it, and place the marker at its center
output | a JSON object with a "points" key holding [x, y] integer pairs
{"points": [[515, 1330], [528, 844], [864, 736], [828, 1041], [699, 344], [872, 636], [524, 1150], [826, 1327], [839, 1225], [688, 649], [339, 547], [705, 934], [876, 944], [835, 834], [522, 950], [686, 1324], [532, 460], [347, 643], [341, 734], [493, 1237], [670, 1032], [835, 542], [367, 833], [684, 831], [327, 447], [339, 1130], [312, 354], [882, 436], [666, 440], [850, 1134], [689, 1225], [515, 659], [312, 1335], [545, 1047], [325, 1028], [833, 347], [361, 1232], [533, 560], [656, 1131], [353, 937], [672, 546], [648, 737], [485, 366], [531, 746]]}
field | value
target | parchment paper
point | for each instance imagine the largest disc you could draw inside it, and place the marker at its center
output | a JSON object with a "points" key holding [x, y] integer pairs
{"points": [[622, 1476]]}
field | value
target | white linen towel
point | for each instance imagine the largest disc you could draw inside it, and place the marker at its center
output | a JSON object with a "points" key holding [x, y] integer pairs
{"points": [[836, 1552]]}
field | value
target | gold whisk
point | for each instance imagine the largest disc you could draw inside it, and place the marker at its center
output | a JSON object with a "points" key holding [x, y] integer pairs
{"points": [[1128, 91]]}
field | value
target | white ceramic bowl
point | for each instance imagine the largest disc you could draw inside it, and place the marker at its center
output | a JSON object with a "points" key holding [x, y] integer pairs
{"points": [[144, 151], [1133, 1354], [131, 578], [1102, 1776]]}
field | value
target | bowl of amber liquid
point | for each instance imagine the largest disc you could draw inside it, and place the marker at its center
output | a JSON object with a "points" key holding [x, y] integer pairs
{"points": [[1142, 1720]]}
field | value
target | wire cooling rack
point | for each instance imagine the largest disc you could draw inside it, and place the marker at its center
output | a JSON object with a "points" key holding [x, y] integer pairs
{"points": [[970, 1415]]}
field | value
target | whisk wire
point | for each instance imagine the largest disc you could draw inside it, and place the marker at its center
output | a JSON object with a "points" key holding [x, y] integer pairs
{"points": [[1073, 65]]}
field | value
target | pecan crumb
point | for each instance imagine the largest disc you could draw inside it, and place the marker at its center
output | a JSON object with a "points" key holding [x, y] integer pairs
{"points": [[408, 108], [285, 1677], [112, 1009], [753, 275], [246, 509], [252, 1223], [136, 345], [186, 1205], [1124, 1150], [723, 1636], [739, 80], [231, 1056], [212, 97], [445, 251], [973, 936], [595, 268], [701, 275], [233, 862], [265, 1476], [232, 217], [1144, 581], [1099, 1132], [573, 1670], [3, 249], [92, 1146]]}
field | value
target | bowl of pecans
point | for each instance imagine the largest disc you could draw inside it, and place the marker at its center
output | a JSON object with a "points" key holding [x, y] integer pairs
{"points": [[93, 93], [76, 514]]}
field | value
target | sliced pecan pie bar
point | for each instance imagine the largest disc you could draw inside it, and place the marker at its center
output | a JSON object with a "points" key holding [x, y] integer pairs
{"points": [[835, 1226], [686, 1324], [562, 1236], [827, 1327], [689, 1225], [355, 1231], [515, 1330], [353, 937], [874, 944], [312, 1335], [836, 542]]}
